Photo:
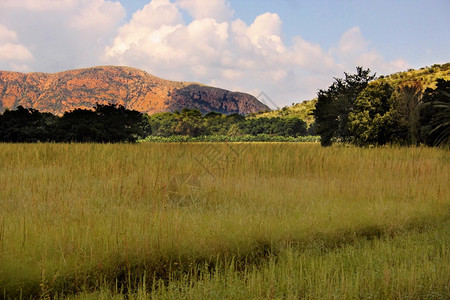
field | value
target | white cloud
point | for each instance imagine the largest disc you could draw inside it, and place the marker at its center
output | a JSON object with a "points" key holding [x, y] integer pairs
{"points": [[218, 10], [148, 26], [7, 35], [38, 5], [352, 41], [265, 33], [354, 50], [98, 15], [60, 34], [11, 51], [14, 52]]}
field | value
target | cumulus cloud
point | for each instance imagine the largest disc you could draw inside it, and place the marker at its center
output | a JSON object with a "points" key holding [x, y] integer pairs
{"points": [[354, 50], [38, 5], [148, 26], [13, 55], [60, 34], [7, 35], [98, 15]]}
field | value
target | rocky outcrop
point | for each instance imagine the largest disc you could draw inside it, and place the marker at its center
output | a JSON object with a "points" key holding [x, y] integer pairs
{"points": [[132, 88], [208, 99]]}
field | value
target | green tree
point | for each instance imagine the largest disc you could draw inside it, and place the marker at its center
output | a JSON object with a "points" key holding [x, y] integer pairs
{"points": [[190, 122], [79, 125], [294, 127], [162, 124], [336, 103], [26, 125], [406, 101], [120, 124], [435, 114], [373, 120], [216, 124], [105, 124]]}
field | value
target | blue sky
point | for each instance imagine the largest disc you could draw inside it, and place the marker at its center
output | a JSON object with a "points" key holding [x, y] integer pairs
{"points": [[287, 48]]}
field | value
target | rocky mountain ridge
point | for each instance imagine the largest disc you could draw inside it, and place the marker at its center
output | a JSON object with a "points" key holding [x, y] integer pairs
{"points": [[134, 89]]}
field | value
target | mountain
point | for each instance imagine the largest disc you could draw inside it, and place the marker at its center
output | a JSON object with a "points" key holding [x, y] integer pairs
{"points": [[132, 88]]}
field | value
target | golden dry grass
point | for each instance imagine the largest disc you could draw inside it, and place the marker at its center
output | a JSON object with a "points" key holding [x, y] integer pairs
{"points": [[79, 218]]}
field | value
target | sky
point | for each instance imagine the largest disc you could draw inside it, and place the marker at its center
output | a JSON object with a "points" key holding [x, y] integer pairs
{"points": [[288, 49]]}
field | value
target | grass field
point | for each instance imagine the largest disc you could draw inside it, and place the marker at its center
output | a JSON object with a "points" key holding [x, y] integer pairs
{"points": [[236, 221]]}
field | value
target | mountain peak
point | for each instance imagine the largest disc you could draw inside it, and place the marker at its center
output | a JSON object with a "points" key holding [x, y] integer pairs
{"points": [[130, 87]]}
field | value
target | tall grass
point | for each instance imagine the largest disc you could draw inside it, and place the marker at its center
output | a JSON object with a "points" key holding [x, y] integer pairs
{"points": [[80, 218], [411, 266]]}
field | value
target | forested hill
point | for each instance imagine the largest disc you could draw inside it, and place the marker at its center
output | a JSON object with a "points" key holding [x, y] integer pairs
{"points": [[424, 78], [301, 110], [132, 88]]}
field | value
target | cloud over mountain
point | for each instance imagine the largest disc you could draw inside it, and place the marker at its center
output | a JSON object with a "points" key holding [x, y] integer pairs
{"points": [[191, 40]]}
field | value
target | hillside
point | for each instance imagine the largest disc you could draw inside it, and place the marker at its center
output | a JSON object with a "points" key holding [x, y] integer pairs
{"points": [[132, 88], [425, 77], [301, 110]]}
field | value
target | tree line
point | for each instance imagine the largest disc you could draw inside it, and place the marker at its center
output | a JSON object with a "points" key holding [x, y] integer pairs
{"points": [[360, 110], [105, 124], [114, 123], [190, 122]]}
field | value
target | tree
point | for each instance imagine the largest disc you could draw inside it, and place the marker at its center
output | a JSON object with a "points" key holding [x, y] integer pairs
{"points": [[106, 124], [79, 125], [294, 127], [435, 114], [26, 125], [216, 124], [120, 124], [373, 119], [336, 103], [162, 124], [406, 101], [190, 122]]}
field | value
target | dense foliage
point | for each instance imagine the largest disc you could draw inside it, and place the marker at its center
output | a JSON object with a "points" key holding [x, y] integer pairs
{"points": [[302, 110], [364, 111], [112, 124], [434, 116], [335, 104], [226, 138], [190, 122], [105, 124]]}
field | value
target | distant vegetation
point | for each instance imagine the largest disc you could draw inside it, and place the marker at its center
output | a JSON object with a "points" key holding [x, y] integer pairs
{"points": [[226, 138], [301, 110], [221, 221], [111, 124], [104, 124], [192, 123]]}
